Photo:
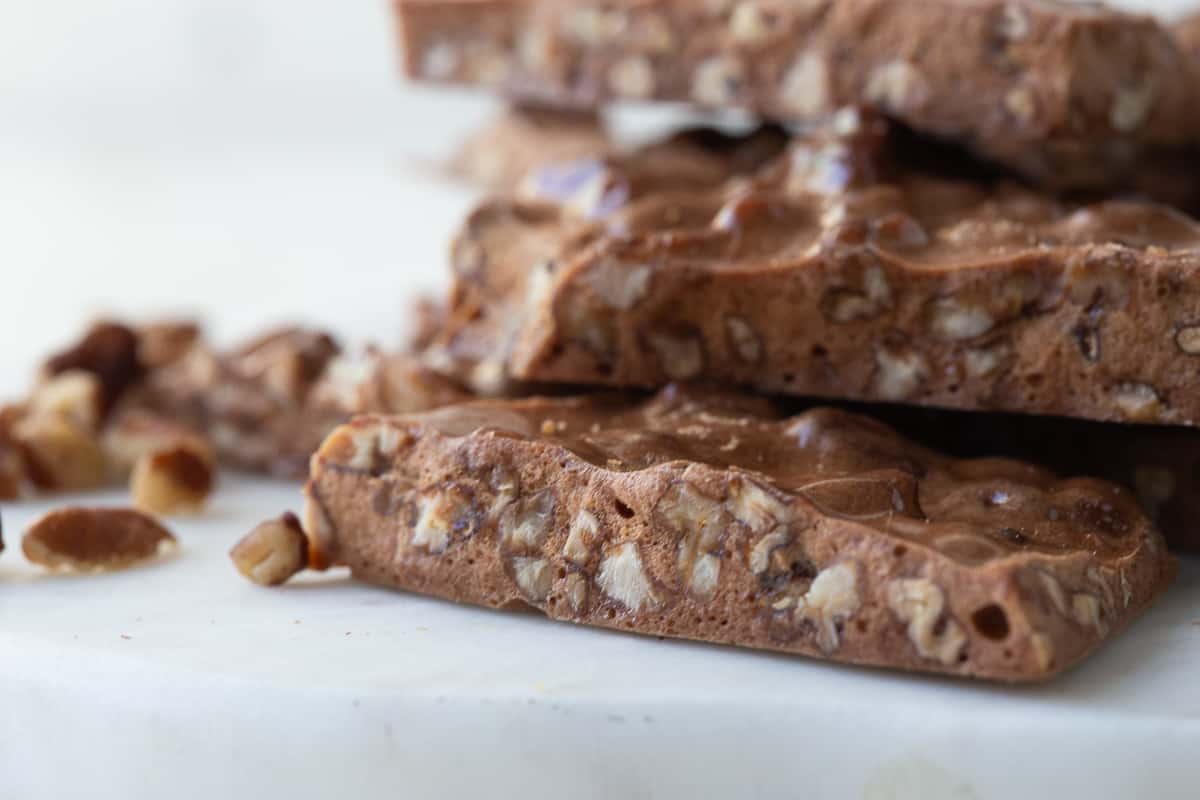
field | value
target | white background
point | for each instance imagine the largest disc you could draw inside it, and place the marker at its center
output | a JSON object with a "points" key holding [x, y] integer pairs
{"points": [[243, 159]]}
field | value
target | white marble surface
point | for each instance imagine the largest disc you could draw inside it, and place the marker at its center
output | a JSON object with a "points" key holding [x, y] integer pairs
{"points": [[182, 680], [255, 160]]}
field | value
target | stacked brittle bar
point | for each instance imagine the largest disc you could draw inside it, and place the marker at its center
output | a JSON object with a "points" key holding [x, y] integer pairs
{"points": [[968, 219]]}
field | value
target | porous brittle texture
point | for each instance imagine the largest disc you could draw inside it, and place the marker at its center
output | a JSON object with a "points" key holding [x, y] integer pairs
{"points": [[710, 517], [1072, 95], [839, 269]]}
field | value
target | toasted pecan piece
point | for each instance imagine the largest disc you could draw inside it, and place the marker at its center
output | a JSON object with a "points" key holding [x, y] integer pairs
{"points": [[79, 539]]}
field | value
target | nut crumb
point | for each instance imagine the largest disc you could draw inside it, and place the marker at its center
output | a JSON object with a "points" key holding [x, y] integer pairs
{"points": [[272, 552], [173, 481]]}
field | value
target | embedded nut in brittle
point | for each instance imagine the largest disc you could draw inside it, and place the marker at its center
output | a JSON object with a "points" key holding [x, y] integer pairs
{"points": [[920, 604], [95, 539], [524, 526], [831, 599], [1132, 105], [623, 578], [953, 320], [273, 552], [897, 86], [743, 340], [441, 515], [805, 88], [632, 77], [534, 577], [576, 587], [680, 355], [718, 80], [1187, 339], [584, 532], [1138, 402], [173, 481], [750, 24], [983, 362], [899, 373]]}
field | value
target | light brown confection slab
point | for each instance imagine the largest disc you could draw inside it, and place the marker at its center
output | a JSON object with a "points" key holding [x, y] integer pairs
{"points": [[1071, 95], [841, 268], [710, 516]]}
